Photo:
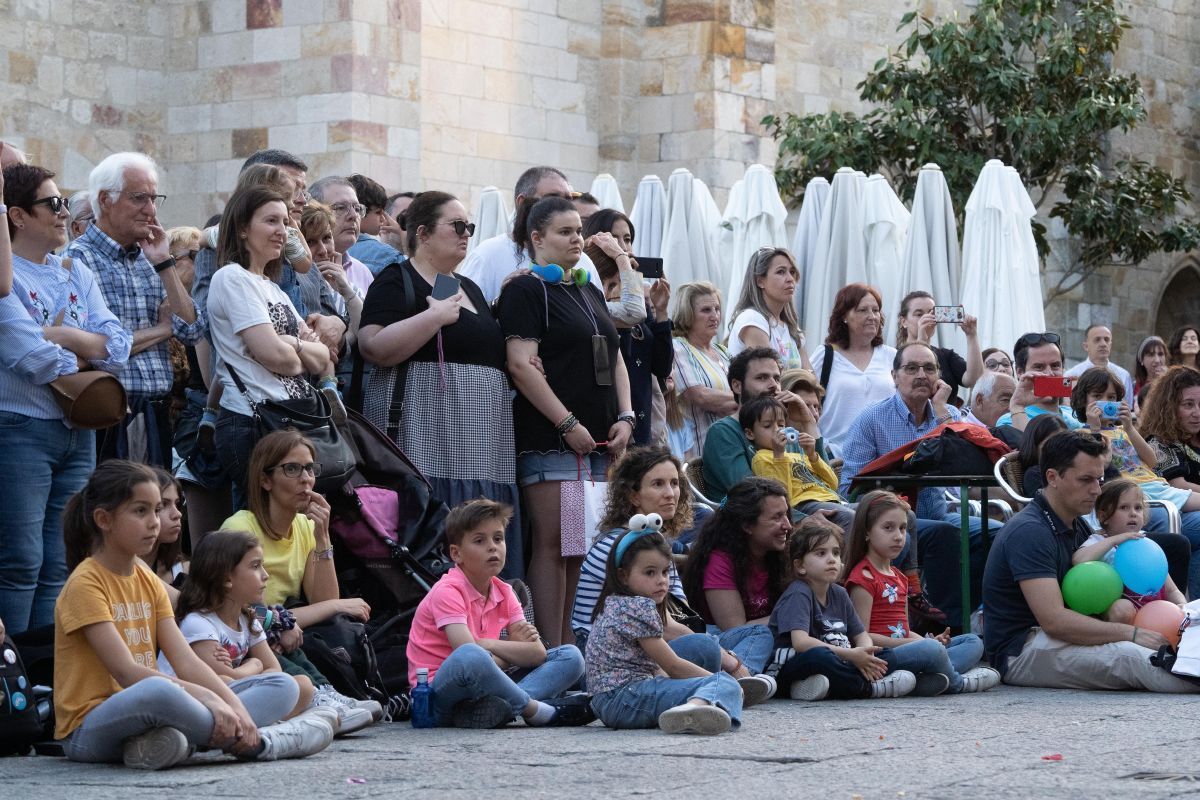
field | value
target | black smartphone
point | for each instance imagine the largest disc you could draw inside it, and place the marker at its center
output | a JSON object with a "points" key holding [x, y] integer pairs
{"points": [[651, 268], [445, 287]]}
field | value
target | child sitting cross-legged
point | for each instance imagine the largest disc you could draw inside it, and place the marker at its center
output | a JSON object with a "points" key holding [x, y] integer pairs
{"points": [[456, 635]]}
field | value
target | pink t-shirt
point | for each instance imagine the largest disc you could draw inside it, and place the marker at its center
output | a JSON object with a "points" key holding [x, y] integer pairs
{"points": [[720, 573], [453, 600]]}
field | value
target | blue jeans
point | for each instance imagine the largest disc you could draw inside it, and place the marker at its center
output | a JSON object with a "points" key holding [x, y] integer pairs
{"points": [[638, 704], [753, 644], [235, 438], [845, 681], [157, 702], [43, 464], [1190, 528], [470, 674], [699, 648], [930, 655]]}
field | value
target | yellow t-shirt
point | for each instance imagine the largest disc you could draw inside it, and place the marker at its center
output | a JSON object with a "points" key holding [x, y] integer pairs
{"points": [[283, 559], [804, 480], [134, 604]]}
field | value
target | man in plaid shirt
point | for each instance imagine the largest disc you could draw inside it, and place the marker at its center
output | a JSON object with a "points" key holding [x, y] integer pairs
{"points": [[128, 252]]}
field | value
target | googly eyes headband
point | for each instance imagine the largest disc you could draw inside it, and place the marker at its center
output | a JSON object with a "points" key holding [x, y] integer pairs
{"points": [[639, 525]]}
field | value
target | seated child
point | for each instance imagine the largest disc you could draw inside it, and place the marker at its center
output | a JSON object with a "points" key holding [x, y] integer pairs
{"points": [[879, 592], [456, 635], [811, 483], [636, 679], [1121, 510], [834, 655]]}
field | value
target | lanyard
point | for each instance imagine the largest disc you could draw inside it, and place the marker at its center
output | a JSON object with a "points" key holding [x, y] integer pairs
{"points": [[585, 307]]}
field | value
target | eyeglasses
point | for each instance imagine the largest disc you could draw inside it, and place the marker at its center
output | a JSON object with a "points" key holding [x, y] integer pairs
{"points": [[460, 227], [190, 255], [344, 209], [56, 204], [1037, 339], [142, 198], [995, 365], [913, 369], [302, 194], [293, 470]]}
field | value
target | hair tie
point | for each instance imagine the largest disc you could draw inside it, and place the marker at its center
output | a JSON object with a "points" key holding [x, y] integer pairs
{"points": [[724, 500]]}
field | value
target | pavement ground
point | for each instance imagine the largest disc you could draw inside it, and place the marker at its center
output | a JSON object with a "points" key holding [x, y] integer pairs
{"points": [[1006, 743]]}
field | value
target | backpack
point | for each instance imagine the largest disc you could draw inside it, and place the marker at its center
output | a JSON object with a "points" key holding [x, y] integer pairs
{"points": [[20, 722], [341, 649]]}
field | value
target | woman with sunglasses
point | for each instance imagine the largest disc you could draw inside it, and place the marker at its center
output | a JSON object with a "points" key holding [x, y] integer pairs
{"points": [[765, 315], [55, 322], [439, 388]]}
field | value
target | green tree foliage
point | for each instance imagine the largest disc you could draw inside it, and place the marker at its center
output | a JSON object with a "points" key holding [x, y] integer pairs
{"points": [[1029, 82]]}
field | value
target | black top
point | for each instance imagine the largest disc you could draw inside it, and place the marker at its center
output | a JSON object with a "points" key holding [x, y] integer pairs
{"points": [[1035, 543], [562, 318], [649, 353], [473, 339], [1176, 460], [951, 369]]}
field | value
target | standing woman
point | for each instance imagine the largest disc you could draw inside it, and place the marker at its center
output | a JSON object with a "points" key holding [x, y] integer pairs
{"points": [[917, 324], [854, 366], [1151, 364], [701, 373], [578, 397], [1184, 349], [765, 315], [54, 323], [439, 388], [255, 329]]}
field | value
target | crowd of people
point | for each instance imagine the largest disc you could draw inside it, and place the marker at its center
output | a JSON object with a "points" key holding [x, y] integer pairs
{"points": [[726, 558]]}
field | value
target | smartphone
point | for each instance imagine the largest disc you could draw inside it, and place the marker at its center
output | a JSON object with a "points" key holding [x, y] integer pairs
{"points": [[651, 268], [953, 314], [445, 287], [1052, 386]]}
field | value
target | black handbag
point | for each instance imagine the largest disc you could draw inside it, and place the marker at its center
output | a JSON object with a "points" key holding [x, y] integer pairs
{"points": [[947, 454], [311, 417]]}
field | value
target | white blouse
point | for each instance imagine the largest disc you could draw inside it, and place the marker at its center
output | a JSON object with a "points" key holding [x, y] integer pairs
{"points": [[850, 390]]}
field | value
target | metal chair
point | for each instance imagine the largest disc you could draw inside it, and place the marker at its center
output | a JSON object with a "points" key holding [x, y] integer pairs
{"points": [[694, 471]]}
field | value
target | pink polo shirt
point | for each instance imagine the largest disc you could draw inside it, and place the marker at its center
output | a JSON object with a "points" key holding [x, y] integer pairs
{"points": [[453, 600]]}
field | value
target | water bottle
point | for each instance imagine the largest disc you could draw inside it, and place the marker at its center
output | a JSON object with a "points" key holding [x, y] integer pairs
{"points": [[422, 701]]}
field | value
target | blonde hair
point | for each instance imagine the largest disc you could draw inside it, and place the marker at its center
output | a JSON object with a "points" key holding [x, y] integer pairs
{"points": [[752, 294], [184, 237]]}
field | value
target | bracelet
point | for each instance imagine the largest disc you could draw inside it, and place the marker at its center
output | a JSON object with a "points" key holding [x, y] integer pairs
{"points": [[165, 265], [567, 425], [323, 555], [1135, 633], [627, 421], [297, 338]]}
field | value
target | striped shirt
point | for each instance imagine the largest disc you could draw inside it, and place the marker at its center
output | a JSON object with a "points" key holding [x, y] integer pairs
{"points": [[694, 367], [591, 581], [134, 293], [27, 360]]}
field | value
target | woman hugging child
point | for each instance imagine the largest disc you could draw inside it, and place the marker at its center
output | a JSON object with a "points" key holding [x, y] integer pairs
{"points": [[1121, 511]]}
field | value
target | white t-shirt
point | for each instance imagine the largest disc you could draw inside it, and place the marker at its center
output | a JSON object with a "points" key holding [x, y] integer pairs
{"points": [[850, 389], [206, 626], [781, 340], [497, 258], [238, 299], [1120, 373]]}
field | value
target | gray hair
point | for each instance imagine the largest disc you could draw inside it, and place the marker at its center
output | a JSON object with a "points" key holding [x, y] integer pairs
{"points": [[530, 178], [318, 189], [80, 201], [109, 175], [276, 158], [986, 384], [752, 296]]}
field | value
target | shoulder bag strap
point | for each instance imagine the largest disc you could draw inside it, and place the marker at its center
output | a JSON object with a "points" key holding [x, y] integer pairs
{"points": [[401, 373], [826, 365]]}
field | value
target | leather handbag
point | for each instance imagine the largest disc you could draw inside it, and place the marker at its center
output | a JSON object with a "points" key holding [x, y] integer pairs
{"points": [[310, 416], [92, 400]]}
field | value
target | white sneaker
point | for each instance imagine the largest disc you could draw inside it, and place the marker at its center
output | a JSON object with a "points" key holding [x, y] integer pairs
{"points": [[898, 684], [979, 679], [295, 738], [755, 689], [691, 718], [156, 749], [370, 705], [350, 718], [326, 713], [814, 687]]}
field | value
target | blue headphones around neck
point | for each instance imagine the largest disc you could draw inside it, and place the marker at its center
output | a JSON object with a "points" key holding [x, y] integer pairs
{"points": [[553, 273]]}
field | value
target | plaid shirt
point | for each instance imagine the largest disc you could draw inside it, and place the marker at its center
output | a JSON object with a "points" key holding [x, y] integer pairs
{"points": [[133, 293]]}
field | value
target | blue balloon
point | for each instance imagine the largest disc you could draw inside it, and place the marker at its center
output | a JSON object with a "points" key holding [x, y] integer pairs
{"points": [[1142, 565]]}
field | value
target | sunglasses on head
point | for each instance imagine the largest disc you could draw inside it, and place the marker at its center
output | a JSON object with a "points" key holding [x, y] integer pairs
{"points": [[1037, 339], [56, 204]]}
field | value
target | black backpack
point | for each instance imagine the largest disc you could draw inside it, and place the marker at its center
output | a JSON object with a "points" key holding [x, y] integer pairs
{"points": [[341, 649], [20, 723]]}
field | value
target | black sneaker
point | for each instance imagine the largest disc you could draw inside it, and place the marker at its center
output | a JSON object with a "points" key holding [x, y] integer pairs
{"points": [[486, 712], [570, 712]]}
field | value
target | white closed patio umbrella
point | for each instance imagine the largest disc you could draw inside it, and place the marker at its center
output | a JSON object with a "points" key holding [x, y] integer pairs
{"points": [[649, 217], [755, 217], [885, 226], [804, 242], [689, 251], [604, 189], [1001, 270], [931, 254], [491, 217], [840, 253]]}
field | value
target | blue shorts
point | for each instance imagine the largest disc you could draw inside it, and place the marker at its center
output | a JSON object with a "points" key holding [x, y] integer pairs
{"points": [[542, 467]]}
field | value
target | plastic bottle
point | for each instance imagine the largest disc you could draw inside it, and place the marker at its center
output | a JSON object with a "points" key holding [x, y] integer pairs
{"points": [[422, 701]]}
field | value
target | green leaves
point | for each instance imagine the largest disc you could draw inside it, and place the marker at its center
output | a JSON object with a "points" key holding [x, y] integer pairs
{"points": [[1027, 81]]}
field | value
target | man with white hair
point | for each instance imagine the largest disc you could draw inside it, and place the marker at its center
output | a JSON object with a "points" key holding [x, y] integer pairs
{"points": [[128, 252], [80, 209], [993, 391]]}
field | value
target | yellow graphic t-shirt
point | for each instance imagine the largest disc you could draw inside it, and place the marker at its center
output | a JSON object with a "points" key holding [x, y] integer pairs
{"points": [[134, 604]]}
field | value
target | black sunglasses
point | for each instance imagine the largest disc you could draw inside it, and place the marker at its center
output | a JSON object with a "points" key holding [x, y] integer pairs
{"points": [[461, 227], [56, 204]]}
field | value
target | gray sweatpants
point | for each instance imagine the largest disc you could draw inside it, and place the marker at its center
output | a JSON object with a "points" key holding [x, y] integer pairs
{"points": [[1052, 664], [158, 703]]}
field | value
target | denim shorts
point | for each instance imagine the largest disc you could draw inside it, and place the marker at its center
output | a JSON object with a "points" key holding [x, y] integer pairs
{"points": [[541, 467]]}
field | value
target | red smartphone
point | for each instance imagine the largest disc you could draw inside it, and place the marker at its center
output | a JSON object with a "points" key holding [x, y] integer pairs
{"points": [[1052, 386]]}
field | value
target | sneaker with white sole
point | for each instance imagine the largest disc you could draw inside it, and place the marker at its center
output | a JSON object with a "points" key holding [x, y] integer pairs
{"points": [[350, 718], [370, 705], [979, 679], [931, 684], [898, 684], [691, 718], [755, 689], [325, 713], [814, 687], [294, 738], [156, 749]]}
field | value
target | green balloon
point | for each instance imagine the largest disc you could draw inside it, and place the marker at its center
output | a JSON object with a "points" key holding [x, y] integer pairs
{"points": [[1091, 587]]}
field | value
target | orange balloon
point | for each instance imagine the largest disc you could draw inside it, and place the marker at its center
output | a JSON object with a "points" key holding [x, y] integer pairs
{"points": [[1161, 616]]}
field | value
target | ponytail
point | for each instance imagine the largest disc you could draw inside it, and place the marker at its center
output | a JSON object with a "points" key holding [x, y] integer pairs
{"points": [[534, 215], [110, 485]]}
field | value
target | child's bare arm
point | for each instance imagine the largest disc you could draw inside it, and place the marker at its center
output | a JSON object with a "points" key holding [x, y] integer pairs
{"points": [[863, 603], [517, 654], [802, 642], [210, 653], [263, 652], [459, 634], [1097, 551], [1172, 592]]}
